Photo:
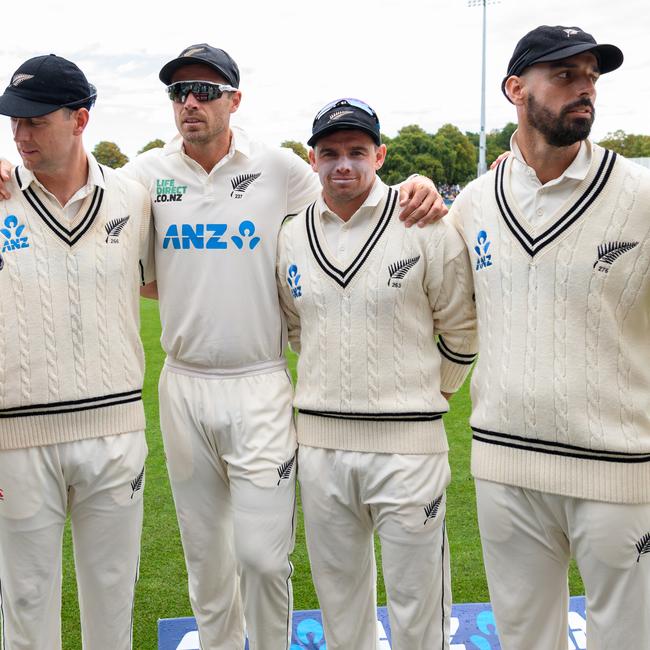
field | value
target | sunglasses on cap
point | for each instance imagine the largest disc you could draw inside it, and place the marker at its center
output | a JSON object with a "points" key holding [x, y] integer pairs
{"points": [[357, 103], [203, 91]]}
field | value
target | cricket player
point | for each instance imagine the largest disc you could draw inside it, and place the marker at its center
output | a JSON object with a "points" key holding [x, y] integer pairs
{"points": [[559, 238], [73, 252], [219, 198], [365, 299]]}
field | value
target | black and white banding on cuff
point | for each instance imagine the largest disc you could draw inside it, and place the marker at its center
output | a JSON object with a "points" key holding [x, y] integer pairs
{"points": [[455, 357]]}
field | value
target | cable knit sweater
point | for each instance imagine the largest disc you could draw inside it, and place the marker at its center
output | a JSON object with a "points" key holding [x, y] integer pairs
{"points": [[369, 372], [561, 391], [71, 361]]}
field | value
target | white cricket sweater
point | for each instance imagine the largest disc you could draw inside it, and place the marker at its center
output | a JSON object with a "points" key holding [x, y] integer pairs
{"points": [[561, 391], [370, 372], [71, 361], [216, 245]]}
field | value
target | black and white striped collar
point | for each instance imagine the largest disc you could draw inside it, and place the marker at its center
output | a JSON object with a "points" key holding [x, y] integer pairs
{"points": [[28, 182], [343, 276], [587, 193]]}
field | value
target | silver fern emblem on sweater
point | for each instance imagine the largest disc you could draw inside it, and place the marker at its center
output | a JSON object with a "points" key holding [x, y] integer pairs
{"points": [[610, 252], [241, 183], [284, 470], [398, 270], [643, 546], [431, 509], [113, 229]]}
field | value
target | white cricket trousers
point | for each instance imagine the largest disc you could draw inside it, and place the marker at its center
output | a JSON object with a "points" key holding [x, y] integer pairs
{"points": [[346, 495], [230, 447], [99, 482], [528, 538]]}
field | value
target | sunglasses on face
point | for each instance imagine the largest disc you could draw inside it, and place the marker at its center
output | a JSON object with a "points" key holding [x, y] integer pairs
{"points": [[203, 91], [346, 102]]}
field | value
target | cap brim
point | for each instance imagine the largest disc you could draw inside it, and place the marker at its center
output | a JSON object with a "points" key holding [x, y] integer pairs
{"points": [[167, 71], [342, 126], [16, 106], [609, 56]]}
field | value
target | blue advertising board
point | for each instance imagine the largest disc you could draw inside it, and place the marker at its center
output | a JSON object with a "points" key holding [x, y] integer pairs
{"points": [[472, 628]]}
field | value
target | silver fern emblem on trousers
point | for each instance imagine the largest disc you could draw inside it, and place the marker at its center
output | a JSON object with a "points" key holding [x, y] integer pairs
{"points": [[136, 483], [284, 470], [431, 509], [398, 270], [113, 230], [610, 252], [643, 546]]}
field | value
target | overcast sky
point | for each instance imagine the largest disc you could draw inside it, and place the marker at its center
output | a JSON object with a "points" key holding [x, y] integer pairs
{"points": [[414, 61]]}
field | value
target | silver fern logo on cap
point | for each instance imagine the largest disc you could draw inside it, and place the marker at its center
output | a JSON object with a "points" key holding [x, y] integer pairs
{"points": [[398, 270], [241, 183], [337, 115], [610, 252], [113, 230], [19, 78], [192, 51], [570, 32]]}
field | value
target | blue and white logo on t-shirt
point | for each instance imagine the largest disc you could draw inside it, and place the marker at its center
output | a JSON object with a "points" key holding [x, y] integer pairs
{"points": [[210, 236]]}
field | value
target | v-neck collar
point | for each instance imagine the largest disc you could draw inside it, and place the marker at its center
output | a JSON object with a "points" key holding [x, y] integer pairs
{"points": [[68, 236], [586, 193], [320, 251]]}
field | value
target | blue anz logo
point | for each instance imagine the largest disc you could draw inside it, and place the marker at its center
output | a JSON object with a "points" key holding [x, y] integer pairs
{"points": [[209, 236], [484, 258], [293, 280], [13, 234], [246, 230]]}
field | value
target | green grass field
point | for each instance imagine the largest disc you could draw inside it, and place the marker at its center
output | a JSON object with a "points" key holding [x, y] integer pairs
{"points": [[162, 589]]}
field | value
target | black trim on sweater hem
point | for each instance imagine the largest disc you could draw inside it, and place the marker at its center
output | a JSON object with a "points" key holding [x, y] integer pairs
{"points": [[556, 448], [75, 405], [412, 416]]}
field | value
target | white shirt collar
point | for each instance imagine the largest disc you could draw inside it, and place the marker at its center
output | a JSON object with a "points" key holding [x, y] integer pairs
{"points": [[577, 170], [95, 179]]}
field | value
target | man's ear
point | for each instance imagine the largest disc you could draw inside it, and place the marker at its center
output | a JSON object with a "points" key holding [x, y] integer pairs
{"points": [[312, 159], [380, 156], [516, 89]]}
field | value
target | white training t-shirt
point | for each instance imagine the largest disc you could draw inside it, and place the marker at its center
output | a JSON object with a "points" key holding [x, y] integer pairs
{"points": [[216, 239]]}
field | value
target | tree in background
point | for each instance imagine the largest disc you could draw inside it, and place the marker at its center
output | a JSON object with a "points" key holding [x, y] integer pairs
{"points": [[446, 156], [109, 154], [154, 144], [297, 148], [497, 141], [627, 144]]}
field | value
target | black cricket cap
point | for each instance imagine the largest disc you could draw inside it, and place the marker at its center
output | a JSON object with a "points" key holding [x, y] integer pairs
{"points": [[44, 84], [345, 114], [546, 43], [217, 59]]}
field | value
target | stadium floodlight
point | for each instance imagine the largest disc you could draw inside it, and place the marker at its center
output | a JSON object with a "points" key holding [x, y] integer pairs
{"points": [[482, 163]]}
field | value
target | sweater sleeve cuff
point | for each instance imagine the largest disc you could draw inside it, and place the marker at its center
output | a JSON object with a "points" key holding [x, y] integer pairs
{"points": [[454, 367]]}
